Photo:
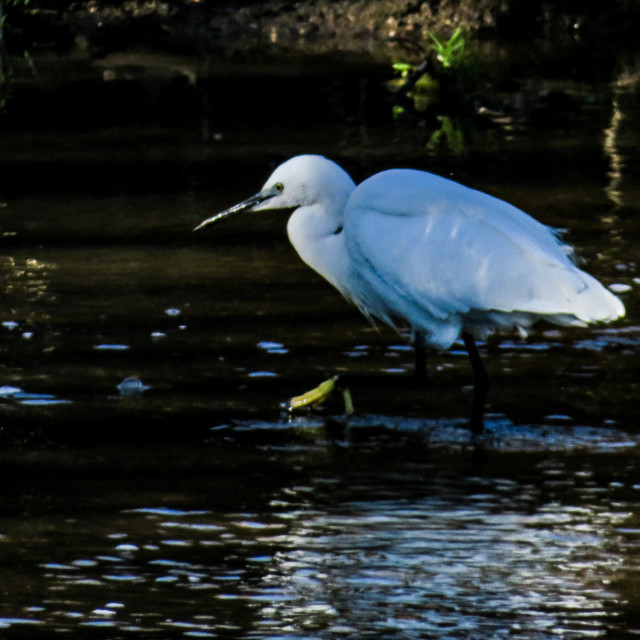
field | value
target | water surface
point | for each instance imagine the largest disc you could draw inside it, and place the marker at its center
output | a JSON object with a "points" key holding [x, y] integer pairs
{"points": [[152, 486]]}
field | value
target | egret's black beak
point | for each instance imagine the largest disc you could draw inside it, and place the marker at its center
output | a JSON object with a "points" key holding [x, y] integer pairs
{"points": [[247, 204]]}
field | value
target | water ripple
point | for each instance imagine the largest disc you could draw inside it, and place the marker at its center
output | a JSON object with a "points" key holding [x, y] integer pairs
{"points": [[500, 433], [386, 552]]}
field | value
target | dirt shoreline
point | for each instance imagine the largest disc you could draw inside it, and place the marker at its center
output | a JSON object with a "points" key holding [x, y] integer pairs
{"points": [[313, 26]]}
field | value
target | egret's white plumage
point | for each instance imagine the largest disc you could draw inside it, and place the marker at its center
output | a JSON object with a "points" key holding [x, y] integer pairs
{"points": [[416, 250], [409, 247]]}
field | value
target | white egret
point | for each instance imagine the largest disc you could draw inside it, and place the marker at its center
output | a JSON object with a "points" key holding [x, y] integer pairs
{"points": [[424, 253]]}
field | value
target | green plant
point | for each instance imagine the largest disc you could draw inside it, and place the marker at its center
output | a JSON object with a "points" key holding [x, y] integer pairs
{"points": [[422, 82], [417, 85], [403, 68], [451, 52], [449, 138], [20, 5]]}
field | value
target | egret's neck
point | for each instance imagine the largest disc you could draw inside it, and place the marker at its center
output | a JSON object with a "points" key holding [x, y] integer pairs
{"points": [[317, 237]]}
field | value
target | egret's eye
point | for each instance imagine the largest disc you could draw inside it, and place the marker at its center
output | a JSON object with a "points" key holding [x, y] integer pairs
{"points": [[278, 187]]}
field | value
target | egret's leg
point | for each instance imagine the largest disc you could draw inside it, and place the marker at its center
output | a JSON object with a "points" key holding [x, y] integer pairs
{"points": [[480, 384], [420, 368]]}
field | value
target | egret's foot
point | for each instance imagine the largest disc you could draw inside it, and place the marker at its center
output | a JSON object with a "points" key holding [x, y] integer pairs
{"points": [[320, 394]]}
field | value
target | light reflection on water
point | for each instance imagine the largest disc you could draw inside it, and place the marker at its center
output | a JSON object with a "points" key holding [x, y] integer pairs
{"points": [[410, 550], [444, 567]]}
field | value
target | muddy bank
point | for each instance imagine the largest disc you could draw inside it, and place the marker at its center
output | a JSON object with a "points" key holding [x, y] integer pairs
{"points": [[97, 26]]}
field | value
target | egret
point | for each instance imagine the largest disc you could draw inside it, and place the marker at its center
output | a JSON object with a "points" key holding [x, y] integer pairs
{"points": [[430, 257]]}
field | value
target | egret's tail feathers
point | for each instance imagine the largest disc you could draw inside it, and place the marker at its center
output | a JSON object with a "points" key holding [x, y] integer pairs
{"points": [[573, 297], [595, 303]]}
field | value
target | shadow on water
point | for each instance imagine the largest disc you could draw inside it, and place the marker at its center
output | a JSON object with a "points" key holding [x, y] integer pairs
{"points": [[151, 487]]}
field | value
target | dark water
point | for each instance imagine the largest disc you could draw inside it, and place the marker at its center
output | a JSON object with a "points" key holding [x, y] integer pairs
{"points": [[190, 506], [371, 541]]}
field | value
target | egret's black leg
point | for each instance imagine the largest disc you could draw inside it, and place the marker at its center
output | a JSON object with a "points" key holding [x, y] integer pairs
{"points": [[420, 368], [480, 384]]}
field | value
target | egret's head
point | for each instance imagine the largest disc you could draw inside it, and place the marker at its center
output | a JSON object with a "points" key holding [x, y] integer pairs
{"points": [[300, 181]]}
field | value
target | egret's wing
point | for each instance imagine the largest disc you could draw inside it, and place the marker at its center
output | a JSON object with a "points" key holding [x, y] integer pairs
{"points": [[426, 249], [409, 193]]}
